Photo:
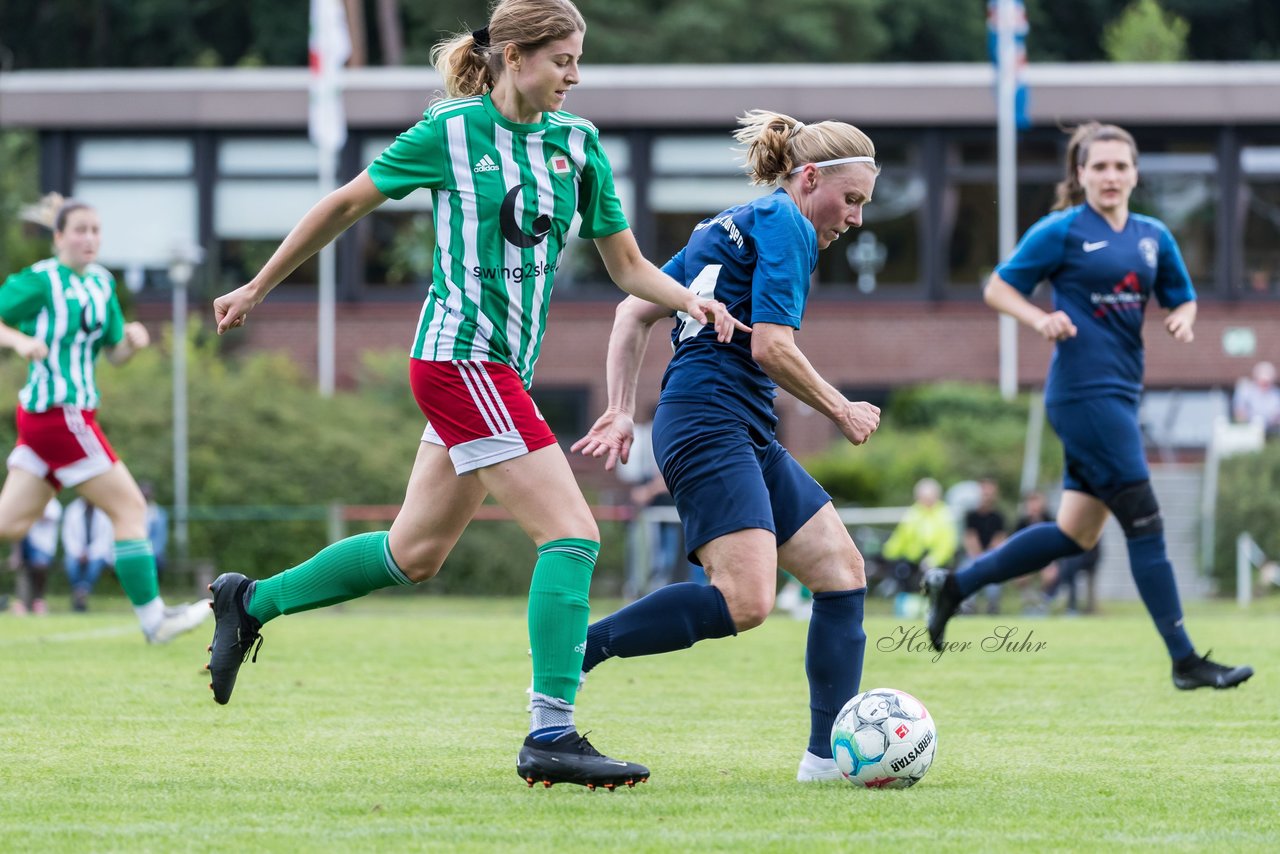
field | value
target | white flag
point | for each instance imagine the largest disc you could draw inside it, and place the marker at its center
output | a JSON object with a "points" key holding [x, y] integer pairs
{"points": [[329, 47]]}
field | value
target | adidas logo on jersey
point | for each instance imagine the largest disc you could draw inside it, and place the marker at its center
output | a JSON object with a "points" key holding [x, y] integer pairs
{"points": [[486, 164]]}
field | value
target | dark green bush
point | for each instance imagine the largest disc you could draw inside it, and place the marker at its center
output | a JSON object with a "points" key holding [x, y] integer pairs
{"points": [[1248, 500], [948, 431]]}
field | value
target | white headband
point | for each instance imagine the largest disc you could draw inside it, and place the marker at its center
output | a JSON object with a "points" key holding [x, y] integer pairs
{"points": [[836, 162]]}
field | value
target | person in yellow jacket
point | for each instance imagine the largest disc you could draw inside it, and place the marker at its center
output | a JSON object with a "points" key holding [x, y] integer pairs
{"points": [[925, 538]]}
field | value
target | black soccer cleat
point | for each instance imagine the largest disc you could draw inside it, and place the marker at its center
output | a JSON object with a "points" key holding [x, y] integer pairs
{"points": [[1196, 671], [944, 600], [571, 759], [234, 633]]}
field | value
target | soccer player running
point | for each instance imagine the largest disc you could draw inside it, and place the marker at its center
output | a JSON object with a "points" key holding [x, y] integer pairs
{"points": [[1104, 263], [59, 314], [508, 170], [747, 506]]}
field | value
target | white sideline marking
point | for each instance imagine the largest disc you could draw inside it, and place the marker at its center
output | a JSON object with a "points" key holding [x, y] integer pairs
{"points": [[72, 637]]}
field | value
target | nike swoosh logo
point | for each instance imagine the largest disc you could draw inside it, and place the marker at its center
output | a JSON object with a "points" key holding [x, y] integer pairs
{"points": [[1093, 247]]}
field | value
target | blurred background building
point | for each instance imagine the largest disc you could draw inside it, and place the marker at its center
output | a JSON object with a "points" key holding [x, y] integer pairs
{"points": [[221, 158]]}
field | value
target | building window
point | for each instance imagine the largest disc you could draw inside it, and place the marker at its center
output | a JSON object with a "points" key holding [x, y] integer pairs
{"points": [[1180, 189], [694, 177], [133, 180], [970, 212], [581, 268], [398, 240], [264, 187], [565, 409], [883, 256], [1260, 202]]}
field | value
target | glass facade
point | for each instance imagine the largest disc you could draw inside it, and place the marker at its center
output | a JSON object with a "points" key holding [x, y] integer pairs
{"points": [[263, 186], [929, 233], [134, 180], [1260, 212]]}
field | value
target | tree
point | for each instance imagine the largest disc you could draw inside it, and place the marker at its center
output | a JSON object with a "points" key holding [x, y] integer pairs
{"points": [[21, 244], [1146, 33]]}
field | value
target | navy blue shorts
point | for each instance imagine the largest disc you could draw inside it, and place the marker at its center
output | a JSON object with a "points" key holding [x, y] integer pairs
{"points": [[726, 476], [1101, 443]]}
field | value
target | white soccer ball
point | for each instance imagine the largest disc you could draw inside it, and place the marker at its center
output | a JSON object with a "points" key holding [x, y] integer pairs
{"points": [[884, 739]]}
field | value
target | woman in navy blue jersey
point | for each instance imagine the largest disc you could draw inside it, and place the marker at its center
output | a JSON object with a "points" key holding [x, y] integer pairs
{"points": [[1104, 263], [747, 506]]}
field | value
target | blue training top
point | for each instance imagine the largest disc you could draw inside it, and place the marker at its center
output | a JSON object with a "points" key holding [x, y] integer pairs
{"points": [[1102, 279], [756, 259]]}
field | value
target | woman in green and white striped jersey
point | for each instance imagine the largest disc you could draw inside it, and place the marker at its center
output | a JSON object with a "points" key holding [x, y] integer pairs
{"points": [[508, 170], [59, 314]]}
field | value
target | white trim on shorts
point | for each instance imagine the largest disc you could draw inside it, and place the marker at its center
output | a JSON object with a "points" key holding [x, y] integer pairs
{"points": [[478, 453], [25, 459], [506, 443], [82, 470], [96, 459], [484, 394]]}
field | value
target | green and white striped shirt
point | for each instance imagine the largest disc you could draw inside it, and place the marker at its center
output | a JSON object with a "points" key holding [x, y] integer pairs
{"points": [[75, 315], [504, 197]]}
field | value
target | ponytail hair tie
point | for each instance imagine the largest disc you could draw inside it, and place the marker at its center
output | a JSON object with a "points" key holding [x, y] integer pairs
{"points": [[481, 36]]}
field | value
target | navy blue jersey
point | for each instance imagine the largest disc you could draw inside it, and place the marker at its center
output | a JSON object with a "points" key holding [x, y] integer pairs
{"points": [[756, 259], [1102, 279]]}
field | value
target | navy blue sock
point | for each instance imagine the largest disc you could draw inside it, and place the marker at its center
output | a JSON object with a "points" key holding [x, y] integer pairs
{"points": [[833, 660], [1023, 553], [673, 617], [1153, 574]]}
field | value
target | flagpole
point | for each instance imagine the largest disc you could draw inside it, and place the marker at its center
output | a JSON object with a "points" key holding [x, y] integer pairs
{"points": [[325, 323], [330, 48], [1007, 179]]}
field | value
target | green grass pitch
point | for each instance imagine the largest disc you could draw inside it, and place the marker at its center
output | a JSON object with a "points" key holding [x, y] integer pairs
{"points": [[392, 724]]}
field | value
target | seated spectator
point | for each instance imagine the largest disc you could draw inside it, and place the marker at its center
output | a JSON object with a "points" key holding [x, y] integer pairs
{"points": [[984, 529], [1072, 568], [1258, 399], [925, 538], [1036, 598]]}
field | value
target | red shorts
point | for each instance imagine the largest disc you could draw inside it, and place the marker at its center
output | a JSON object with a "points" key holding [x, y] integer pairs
{"points": [[64, 445], [480, 411]]}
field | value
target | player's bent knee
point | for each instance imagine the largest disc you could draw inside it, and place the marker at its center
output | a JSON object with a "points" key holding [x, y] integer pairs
{"points": [[844, 570], [578, 527], [1137, 510], [749, 608], [421, 563]]}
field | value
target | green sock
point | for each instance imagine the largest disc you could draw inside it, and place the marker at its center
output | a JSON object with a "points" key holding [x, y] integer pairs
{"points": [[136, 570], [558, 615], [347, 569]]}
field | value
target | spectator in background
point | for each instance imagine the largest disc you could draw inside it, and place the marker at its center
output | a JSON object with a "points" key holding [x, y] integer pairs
{"points": [[664, 557], [1258, 399], [1036, 601], [924, 539], [88, 547], [1070, 568], [32, 557], [984, 529], [157, 525]]}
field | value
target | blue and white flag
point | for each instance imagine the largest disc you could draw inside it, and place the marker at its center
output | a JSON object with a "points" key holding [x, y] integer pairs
{"points": [[329, 48], [1020, 28]]}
